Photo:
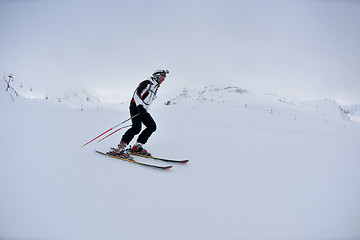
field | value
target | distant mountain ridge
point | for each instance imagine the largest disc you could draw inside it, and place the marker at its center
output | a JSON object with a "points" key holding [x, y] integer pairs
{"points": [[233, 95], [273, 103]]}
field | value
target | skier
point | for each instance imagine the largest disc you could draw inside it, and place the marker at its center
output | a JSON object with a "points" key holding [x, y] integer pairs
{"points": [[142, 98]]}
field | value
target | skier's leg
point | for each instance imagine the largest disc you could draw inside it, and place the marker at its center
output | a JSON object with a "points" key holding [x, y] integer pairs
{"points": [[150, 128], [135, 128]]}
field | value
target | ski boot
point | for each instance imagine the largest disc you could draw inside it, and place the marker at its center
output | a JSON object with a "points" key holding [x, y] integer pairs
{"points": [[121, 151], [138, 148]]}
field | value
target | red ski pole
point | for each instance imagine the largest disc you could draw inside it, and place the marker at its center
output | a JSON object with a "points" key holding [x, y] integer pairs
{"points": [[113, 133], [109, 130]]}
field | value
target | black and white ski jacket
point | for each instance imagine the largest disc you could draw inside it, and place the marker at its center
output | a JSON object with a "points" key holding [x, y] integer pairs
{"points": [[145, 93]]}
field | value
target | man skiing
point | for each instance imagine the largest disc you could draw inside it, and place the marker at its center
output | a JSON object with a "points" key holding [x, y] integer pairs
{"points": [[143, 96]]}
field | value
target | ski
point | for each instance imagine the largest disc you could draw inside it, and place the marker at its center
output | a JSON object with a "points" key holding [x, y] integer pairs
{"points": [[133, 161], [161, 159]]}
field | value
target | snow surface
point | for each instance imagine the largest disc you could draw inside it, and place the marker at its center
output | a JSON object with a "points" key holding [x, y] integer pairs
{"points": [[261, 167]]}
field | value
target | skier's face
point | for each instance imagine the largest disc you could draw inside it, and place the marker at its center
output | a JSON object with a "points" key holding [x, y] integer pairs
{"points": [[161, 78]]}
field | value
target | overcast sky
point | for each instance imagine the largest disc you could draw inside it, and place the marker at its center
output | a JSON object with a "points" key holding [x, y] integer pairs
{"points": [[304, 49]]}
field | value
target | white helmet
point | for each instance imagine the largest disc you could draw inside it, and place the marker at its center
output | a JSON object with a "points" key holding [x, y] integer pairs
{"points": [[157, 73]]}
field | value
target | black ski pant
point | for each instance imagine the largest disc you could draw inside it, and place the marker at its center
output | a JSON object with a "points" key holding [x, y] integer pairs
{"points": [[135, 129]]}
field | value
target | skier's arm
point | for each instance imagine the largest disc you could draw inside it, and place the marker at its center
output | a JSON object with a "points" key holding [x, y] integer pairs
{"points": [[140, 95], [141, 91]]}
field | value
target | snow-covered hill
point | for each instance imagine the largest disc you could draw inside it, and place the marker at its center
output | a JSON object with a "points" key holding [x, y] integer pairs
{"points": [[353, 112], [79, 99], [261, 167], [235, 97]]}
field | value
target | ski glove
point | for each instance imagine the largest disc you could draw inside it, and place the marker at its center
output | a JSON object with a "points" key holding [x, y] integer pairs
{"points": [[142, 110]]}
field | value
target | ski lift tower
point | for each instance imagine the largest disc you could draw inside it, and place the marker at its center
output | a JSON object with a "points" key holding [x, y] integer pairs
{"points": [[10, 79]]}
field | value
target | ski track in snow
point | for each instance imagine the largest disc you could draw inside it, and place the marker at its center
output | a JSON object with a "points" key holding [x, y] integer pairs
{"points": [[261, 167]]}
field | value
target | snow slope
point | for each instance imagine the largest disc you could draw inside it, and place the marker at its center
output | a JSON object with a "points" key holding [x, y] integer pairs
{"points": [[261, 167], [354, 112]]}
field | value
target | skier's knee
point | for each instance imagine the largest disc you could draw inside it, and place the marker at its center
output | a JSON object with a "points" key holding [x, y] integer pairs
{"points": [[153, 127]]}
